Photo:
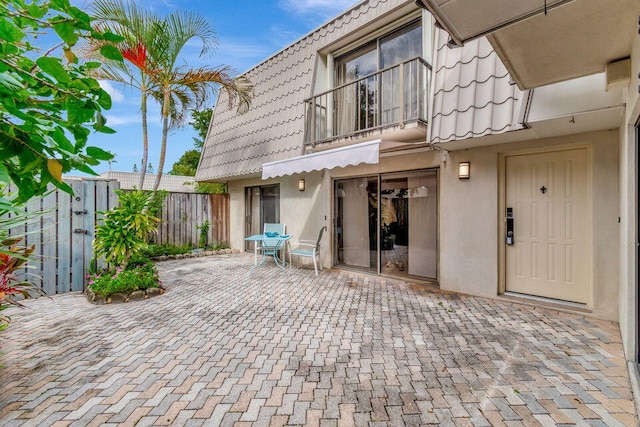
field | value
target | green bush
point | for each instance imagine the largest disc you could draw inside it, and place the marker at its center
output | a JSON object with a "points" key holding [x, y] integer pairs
{"points": [[153, 251], [125, 227], [217, 246], [138, 278], [204, 234], [140, 261]]}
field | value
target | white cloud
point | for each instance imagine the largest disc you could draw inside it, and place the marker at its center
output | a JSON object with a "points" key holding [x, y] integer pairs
{"points": [[116, 95], [116, 120], [121, 120], [318, 7]]}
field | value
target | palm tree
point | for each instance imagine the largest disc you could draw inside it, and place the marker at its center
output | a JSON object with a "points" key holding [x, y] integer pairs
{"points": [[181, 87], [154, 46], [136, 27]]}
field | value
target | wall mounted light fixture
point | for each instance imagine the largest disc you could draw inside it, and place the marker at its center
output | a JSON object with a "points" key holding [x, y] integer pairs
{"points": [[301, 184], [464, 170]]}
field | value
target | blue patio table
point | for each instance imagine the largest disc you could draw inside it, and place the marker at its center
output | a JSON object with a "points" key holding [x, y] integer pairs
{"points": [[271, 246]]}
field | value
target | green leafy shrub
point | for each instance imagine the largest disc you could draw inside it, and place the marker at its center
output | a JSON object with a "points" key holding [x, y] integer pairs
{"points": [[139, 260], [125, 227], [216, 246], [49, 104], [137, 278], [204, 233], [153, 251]]}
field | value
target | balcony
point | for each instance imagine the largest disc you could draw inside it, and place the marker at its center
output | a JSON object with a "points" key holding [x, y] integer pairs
{"points": [[386, 99]]}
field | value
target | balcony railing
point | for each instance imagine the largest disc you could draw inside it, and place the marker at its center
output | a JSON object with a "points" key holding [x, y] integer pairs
{"points": [[389, 97]]}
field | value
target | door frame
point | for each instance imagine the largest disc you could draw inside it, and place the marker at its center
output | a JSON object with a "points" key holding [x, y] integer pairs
{"points": [[502, 205]]}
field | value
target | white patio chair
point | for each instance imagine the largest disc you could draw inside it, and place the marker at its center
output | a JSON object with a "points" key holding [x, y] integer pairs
{"points": [[308, 249]]}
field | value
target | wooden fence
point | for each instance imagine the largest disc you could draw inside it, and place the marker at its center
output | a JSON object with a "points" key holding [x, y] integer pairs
{"points": [[182, 213], [63, 235]]}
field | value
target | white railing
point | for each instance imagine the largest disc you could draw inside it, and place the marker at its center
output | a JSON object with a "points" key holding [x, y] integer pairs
{"points": [[389, 97]]}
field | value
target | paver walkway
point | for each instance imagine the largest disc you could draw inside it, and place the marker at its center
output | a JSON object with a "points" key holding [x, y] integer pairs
{"points": [[221, 347]]}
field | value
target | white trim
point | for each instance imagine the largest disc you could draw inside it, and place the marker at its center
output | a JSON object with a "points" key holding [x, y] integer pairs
{"points": [[365, 152]]}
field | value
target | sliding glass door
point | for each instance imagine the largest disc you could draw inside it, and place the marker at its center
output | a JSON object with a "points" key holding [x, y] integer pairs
{"points": [[262, 205], [388, 223]]}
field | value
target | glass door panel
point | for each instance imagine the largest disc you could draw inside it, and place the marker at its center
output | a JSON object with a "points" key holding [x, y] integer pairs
{"points": [[262, 205], [409, 224], [356, 223], [356, 103], [405, 223]]}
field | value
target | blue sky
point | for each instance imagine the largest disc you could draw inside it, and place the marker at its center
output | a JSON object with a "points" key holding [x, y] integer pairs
{"points": [[249, 32]]}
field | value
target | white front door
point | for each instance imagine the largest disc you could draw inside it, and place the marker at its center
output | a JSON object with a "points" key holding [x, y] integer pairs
{"points": [[549, 256]]}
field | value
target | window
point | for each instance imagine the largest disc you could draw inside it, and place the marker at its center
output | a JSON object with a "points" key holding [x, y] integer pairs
{"points": [[380, 88]]}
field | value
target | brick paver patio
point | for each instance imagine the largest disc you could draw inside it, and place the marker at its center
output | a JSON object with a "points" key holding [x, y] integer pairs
{"points": [[221, 347]]}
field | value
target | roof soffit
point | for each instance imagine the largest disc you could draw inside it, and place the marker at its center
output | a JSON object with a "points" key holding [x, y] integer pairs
{"points": [[574, 39]]}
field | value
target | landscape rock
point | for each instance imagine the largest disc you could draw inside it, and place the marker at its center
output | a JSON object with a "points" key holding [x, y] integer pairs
{"points": [[137, 296]]}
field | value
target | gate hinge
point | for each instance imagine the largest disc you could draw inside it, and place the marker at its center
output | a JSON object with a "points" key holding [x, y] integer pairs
{"points": [[80, 231]]}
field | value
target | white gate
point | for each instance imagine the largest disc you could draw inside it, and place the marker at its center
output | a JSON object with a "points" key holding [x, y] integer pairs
{"points": [[63, 236]]}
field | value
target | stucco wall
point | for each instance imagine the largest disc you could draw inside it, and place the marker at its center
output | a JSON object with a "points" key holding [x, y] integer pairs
{"points": [[469, 246], [301, 211], [628, 205]]}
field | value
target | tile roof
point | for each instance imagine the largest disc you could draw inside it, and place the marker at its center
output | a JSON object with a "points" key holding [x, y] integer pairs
{"points": [[273, 129], [170, 183], [473, 92]]}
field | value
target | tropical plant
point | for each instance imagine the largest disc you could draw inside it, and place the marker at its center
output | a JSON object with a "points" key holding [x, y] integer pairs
{"points": [[125, 228], [160, 41], [204, 233], [136, 278], [48, 105], [153, 251], [135, 26], [12, 288]]}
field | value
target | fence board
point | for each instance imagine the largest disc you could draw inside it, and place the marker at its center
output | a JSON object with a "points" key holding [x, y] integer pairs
{"points": [[49, 239], [220, 217], [63, 283]]}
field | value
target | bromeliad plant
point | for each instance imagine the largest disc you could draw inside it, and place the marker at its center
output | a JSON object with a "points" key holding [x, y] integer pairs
{"points": [[125, 228], [12, 288], [13, 255]]}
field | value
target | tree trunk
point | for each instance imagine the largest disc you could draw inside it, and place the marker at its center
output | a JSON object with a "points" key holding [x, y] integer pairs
{"points": [[145, 135], [165, 131]]}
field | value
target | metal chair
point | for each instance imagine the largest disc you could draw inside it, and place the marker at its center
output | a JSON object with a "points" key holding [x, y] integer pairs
{"points": [[269, 245], [308, 249]]}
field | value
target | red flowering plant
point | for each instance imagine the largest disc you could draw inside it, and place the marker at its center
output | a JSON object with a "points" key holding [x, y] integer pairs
{"points": [[12, 287]]}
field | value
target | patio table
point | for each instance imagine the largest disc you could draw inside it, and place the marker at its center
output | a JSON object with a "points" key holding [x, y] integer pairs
{"points": [[273, 250]]}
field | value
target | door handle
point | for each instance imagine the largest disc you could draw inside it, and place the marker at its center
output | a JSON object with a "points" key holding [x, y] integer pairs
{"points": [[510, 237]]}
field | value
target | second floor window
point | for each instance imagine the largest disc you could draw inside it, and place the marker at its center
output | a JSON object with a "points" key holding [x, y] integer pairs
{"points": [[382, 83], [399, 46]]}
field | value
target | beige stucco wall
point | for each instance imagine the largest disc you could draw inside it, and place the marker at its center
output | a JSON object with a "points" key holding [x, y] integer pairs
{"points": [[469, 212], [628, 204], [301, 211]]}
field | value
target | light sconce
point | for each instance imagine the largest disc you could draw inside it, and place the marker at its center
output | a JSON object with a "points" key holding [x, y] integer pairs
{"points": [[464, 170], [301, 184]]}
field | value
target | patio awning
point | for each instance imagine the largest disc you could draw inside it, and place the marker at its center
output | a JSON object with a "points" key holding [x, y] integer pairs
{"points": [[365, 152]]}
